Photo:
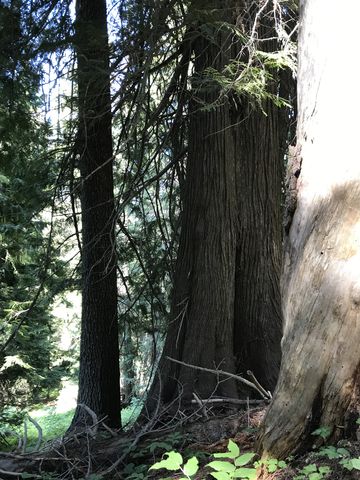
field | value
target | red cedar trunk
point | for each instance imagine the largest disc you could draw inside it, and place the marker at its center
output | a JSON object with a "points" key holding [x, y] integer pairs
{"points": [[258, 319], [226, 300], [320, 368], [201, 332], [99, 386]]}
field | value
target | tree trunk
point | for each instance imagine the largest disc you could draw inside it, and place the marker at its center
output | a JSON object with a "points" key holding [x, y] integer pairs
{"points": [[320, 368], [226, 299], [258, 322], [99, 386], [260, 137], [201, 332]]}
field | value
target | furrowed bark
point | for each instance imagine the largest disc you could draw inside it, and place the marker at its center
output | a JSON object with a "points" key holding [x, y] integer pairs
{"points": [[99, 387]]}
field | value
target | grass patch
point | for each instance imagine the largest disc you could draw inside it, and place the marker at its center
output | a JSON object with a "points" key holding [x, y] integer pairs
{"points": [[54, 425]]}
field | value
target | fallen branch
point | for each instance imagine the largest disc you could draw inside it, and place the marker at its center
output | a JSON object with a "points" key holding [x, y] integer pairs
{"points": [[39, 430], [201, 404], [94, 428], [18, 474], [236, 401], [265, 395], [256, 382]]}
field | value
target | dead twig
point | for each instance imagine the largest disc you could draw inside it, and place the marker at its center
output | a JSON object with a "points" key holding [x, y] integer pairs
{"points": [[17, 474], [201, 404], [256, 382], [110, 430], [235, 401], [265, 395], [39, 430], [94, 428]]}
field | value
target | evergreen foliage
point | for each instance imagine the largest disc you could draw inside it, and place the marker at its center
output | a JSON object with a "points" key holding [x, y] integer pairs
{"points": [[30, 272]]}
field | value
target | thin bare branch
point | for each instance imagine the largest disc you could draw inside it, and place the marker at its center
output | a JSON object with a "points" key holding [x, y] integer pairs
{"points": [[252, 385]]}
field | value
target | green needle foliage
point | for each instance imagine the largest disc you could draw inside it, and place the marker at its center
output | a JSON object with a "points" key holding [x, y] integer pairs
{"points": [[29, 273]]}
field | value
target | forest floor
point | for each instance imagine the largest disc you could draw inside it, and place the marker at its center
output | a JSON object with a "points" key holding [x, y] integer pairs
{"points": [[227, 440], [224, 461]]}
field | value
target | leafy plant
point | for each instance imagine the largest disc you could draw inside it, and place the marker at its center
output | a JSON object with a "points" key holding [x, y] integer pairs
{"points": [[313, 472], [271, 464], [332, 452], [323, 432], [174, 462], [233, 467], [351, 463], [237, 468], [135, 472]]}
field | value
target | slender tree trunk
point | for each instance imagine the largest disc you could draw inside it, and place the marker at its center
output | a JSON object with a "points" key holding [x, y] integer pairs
{"points": [[320, 369], [99, 386]]}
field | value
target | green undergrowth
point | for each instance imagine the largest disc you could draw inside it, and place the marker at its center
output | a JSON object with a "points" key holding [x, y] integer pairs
{"points": [[324, 463]]}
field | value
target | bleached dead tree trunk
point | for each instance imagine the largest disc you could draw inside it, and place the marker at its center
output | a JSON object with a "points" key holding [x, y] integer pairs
{"points": [[321, 284]]}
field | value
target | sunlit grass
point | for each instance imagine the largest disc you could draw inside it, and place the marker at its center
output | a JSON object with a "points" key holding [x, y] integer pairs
{"points": [[54, 425]]}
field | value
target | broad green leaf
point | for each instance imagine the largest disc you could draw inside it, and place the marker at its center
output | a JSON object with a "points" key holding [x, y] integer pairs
{"points": [[282, 464], [233, 451], [355, 462], [315, 476], [347, 463], [344, 452], [221, 475], [272, 466], [309, 468], [221, 466], [330, 452], [244, 459], [358, 421], [173, 462], [324, 470], [248, 473], [191, 466]]}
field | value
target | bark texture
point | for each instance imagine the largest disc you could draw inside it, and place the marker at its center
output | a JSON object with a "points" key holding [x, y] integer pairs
{"points": [[226, 299], [258, 320], [99, 386], [201, 330], [320, 367]]}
